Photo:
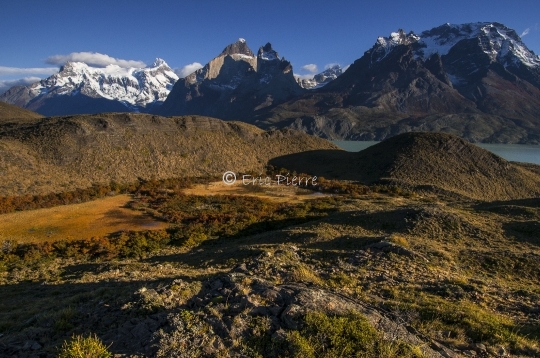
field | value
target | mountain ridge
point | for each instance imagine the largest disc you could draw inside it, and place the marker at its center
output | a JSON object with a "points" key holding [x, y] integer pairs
{"points": [[476, 80], [483, 86], [65, 153], [79, 88]]}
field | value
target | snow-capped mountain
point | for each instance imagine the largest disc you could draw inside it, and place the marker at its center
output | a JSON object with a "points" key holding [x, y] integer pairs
{"points": [[478, 80], [80, 88], [234, 85], [471, 49], [320, 79], [385, 45], [499, 42], [448, 68], [473, 46]]}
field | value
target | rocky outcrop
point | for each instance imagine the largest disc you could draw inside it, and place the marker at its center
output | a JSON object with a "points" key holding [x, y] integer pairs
{"points": [[282, 305], [239, 47]]}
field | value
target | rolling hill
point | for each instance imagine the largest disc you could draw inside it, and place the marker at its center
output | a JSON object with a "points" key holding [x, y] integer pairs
{"points": [[424, 161], [9, 112], [64, 153]]}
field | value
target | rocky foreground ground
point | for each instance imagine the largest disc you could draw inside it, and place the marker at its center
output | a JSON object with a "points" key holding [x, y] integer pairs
{"points": [[387, 274]]}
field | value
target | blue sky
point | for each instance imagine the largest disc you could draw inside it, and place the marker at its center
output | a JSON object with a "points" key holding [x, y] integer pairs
{"points": [[38, 35]]}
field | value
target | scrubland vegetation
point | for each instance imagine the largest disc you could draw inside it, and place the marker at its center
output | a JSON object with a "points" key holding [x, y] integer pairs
{"points": [[361, 271]]}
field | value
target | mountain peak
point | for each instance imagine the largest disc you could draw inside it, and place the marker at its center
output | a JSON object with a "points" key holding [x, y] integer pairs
{"points": [[398, 38], [81, 88], [70, 66], [267, 53], [336, 66], [158, 62], [238, 47], [502, 44], [385, 45]]}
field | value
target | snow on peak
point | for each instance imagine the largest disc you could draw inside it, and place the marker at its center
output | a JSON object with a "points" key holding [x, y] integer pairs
{"points": [[136, 87], [241, 40], [496, 40], [158, 62], [385, 45], [267, 53], [398, 38], [73, 66], [395, 36], [321, 79], [336, 66]]}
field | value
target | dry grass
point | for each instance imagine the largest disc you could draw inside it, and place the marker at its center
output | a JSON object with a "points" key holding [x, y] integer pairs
{"points": [[478, 284], [423, 162], [274, 192], [9, 112], [48, 156], [77, 221], [90, 347]]}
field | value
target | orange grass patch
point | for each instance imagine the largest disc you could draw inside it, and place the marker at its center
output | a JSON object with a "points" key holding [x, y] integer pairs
{"points": [[76, 221], [274, 192]]}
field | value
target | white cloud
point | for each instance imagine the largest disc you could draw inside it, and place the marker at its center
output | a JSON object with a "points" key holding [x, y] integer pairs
{"points": [[330, 65], [310, 67], [304, 77], [17, 71], [188, 69], [526, 32], [94, 59], [7, 84], [345, 68]]}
